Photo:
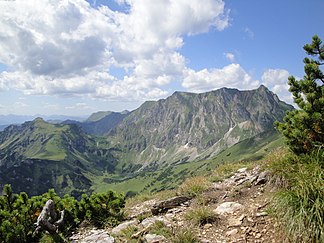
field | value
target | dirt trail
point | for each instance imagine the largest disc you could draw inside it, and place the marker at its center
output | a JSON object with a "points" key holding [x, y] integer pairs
{"points": [[240, 203]]}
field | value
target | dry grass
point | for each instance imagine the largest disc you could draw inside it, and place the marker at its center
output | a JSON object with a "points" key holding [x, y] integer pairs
{"points": [[194, 186]]}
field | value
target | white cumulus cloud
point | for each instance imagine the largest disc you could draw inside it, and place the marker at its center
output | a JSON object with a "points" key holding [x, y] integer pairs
{"points": [[68, 47], [231, 76], [277, 81]]}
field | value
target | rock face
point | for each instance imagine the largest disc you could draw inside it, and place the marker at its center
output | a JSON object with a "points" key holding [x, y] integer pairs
{"points": [[187, 124]]}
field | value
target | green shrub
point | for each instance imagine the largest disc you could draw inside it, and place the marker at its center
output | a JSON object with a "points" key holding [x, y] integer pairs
{"points": [[304, 128], [19, 213]]}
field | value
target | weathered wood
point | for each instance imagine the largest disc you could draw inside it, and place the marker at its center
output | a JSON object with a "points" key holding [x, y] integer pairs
{"points": [[47, 220]]}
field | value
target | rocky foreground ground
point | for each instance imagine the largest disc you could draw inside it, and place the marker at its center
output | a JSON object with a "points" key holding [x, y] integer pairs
{"points": [[238, 205]]}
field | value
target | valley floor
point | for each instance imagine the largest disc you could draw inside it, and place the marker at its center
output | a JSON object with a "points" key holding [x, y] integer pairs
{"points": [[232, 210]]}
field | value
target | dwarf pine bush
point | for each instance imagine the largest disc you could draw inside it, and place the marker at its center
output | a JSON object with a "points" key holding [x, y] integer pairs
{"points": [[18, 212]]}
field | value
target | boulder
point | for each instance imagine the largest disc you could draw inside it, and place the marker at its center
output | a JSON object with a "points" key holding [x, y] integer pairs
{"points": [[98, 237], [153, 238], [150, 221], [165, 205], [117, 230], [262, 178], [228, 208]]}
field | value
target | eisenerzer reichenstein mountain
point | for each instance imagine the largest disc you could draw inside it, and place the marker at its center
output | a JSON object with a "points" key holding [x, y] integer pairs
{"points": [[75, 157]]}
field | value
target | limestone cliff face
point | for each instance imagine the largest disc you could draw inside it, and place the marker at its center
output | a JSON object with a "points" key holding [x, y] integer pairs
{"points": [[188, 124]]}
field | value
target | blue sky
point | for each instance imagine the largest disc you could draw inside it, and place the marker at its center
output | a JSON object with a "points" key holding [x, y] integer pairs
{"points": [[76, 57]]}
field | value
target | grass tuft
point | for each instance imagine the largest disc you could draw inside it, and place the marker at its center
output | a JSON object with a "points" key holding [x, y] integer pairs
{"points": [[159, 228], [194, 186], [201, 215], [299, 205], [224, 171], [185, 236]]}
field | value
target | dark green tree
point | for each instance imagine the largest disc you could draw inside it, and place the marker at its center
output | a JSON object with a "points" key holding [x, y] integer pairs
{"points": [[304, 127]]}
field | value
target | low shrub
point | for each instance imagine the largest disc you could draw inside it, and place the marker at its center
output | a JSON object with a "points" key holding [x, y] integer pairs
{"points": [[19, 213]]}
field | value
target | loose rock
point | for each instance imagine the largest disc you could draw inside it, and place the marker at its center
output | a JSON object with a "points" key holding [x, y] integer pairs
{"points": [[228, 208], [163, 206], [262, 178], [117, 230], [153, 238]]}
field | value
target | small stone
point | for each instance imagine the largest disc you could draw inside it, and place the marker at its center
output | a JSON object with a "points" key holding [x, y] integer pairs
{"points": [[262, 178], [258, 236], [232, 232], [242, 170], [252, 179], [98, 237], [261, 214], [218, 186], [242, 217], [153, 238], [208, 226], [234, 222], [204, 241]]}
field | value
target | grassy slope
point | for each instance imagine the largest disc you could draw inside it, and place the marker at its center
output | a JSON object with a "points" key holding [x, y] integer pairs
{"points": [[170, 176]]}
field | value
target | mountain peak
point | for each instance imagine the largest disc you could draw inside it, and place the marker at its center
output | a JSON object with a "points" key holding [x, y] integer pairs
{"points": [[263, 88]]}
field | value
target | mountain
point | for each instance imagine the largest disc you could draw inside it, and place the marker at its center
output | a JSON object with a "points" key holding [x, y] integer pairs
{"points": [[187, 126], [2, 127], [101, 122], [37, 155], [6, 120], [150, 148], [97, 116]]}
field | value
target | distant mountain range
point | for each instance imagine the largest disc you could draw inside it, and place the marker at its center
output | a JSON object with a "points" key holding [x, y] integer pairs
{"points": [[6, 120], [76, 157]]}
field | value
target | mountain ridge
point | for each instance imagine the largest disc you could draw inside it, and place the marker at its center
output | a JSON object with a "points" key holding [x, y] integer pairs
{"points": [[197, 122], [181, 129]]}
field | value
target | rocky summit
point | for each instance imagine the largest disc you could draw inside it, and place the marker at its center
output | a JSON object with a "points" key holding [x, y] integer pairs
{"points": [[189, 126]]}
